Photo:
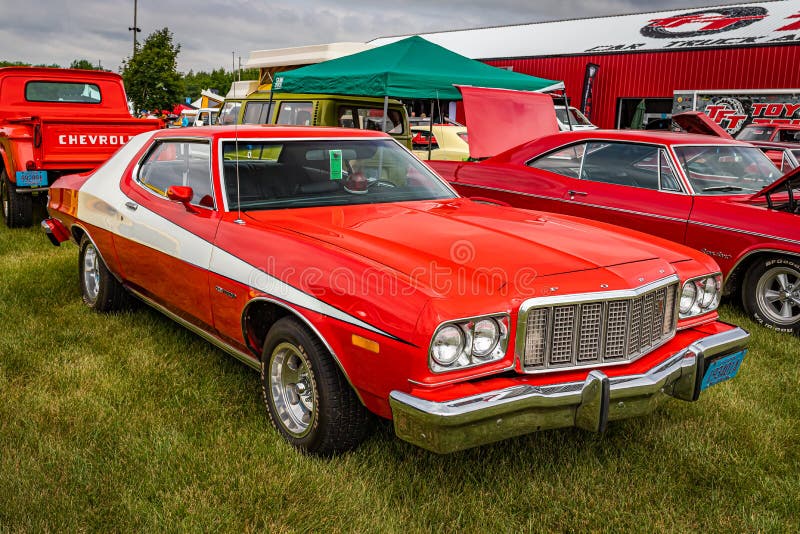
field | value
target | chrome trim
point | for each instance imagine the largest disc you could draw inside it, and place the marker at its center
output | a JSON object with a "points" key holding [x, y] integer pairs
{"points": [[241, 356], [308, 324], [587, 298], [461, 423], [573, 202], [754, 252], [746, 232]]}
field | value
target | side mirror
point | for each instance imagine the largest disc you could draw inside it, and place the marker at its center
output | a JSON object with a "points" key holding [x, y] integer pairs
{"points": [[182, 194]]}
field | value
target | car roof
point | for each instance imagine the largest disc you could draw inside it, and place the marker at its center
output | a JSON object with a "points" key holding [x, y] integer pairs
{"points": [[272, 131], [772, 125], [549, 142]]}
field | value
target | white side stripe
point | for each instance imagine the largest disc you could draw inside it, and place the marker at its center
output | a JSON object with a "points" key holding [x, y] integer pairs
{"points": [[101, 203]]}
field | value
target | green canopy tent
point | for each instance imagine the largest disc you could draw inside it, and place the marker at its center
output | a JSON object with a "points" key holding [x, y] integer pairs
{"points": [[410, 68]]}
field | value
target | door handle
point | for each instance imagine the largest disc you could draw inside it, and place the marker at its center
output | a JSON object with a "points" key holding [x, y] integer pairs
{"points": [[573, 193], [131, 205]]}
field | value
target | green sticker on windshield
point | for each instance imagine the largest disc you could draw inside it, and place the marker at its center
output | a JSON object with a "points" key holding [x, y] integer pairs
{"points": [[336, 164]]}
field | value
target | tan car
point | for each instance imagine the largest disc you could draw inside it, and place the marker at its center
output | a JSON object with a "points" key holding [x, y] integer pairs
{"points": [[448, 143]]}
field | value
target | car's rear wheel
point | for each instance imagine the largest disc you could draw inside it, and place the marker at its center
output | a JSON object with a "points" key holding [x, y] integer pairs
{"points": [[17, 207], [308, 399], [772, 293], [100, 290]]}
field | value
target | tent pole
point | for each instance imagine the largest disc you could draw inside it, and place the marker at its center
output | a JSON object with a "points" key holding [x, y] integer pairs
{"points": [[385, 111], [430, 131], [269, 106]]}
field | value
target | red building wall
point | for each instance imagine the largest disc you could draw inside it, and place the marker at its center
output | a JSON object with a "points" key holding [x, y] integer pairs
{"points": [[658, 74]]}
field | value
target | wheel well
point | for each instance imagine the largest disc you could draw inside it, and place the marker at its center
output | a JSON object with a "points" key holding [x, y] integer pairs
{"points": [[257, 319], [736, 277], [77, 234]]}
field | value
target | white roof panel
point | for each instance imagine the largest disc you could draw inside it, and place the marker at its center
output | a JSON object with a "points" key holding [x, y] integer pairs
{"points": [[745, 24]]}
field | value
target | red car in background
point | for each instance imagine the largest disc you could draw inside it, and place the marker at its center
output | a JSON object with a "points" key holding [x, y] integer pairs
{"points": [[356, 281], [721, 196]]}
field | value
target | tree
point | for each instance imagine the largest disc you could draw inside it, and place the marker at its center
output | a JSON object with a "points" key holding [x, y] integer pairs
{"points": [[83, 64], [151, 76], [217, 80]]}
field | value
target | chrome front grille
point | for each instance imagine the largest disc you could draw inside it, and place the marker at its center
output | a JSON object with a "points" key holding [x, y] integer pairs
{"points": [[596, 328]]}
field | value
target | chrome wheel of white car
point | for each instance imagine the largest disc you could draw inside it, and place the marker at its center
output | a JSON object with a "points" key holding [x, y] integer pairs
{"points": [[100, 290], [308, 399], [91, 272], [772, 293], [292, 389]]}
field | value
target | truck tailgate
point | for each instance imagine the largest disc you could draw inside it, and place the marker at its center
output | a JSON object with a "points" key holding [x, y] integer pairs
{"points": [[83, 143]]}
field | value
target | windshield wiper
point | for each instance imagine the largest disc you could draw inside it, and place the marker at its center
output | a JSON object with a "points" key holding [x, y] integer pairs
{"points": [[722, 188]]}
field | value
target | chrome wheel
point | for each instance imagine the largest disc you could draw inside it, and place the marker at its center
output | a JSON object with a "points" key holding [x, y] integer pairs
{"points": [[91, 273], [4, 196], [292, 389], [778, 295]]}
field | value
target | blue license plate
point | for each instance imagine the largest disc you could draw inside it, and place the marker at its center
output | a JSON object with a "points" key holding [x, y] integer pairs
{"points": [[723, 369], [31, 178]]}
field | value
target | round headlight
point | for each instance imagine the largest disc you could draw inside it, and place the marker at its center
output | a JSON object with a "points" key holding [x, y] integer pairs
{"points": [[688, 296], [447, 345], [484, 338], [710, 290]]}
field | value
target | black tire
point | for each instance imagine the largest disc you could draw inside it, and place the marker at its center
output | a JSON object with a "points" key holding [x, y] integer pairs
{"points": [[308, 399], [17, 207], [771, 293], [99, 289]]}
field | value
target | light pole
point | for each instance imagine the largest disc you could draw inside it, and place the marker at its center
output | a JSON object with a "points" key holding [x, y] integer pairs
{"points": [[135, 29]]}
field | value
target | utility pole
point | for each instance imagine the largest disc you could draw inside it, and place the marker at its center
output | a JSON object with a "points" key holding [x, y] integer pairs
{"points": [[135, 29]]}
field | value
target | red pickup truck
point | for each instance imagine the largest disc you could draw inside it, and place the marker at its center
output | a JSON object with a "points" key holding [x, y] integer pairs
{"points": [[55, 122]]}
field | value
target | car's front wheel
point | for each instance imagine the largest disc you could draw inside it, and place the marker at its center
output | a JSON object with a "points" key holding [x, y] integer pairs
{"points": [[772, 293], [17, 207], [100, 290], [308, 399]]}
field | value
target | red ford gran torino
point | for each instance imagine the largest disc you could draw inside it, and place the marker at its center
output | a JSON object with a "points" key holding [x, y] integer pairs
{"points": [[702, 191], [358, 282]]}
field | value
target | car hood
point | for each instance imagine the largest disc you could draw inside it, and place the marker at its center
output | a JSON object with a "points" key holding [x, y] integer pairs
{"points": [[697, 122], [461, 237], [789, 180]]}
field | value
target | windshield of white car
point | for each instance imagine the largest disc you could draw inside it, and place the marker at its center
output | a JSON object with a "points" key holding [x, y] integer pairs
{"points": [[576, 117], [726, 169], [264, 174]]}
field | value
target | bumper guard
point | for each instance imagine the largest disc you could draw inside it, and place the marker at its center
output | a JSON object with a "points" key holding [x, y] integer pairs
{"points": [[445, 427]]}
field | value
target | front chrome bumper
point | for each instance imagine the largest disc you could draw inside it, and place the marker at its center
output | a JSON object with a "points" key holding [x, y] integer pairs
{"points": [[445, 427]]}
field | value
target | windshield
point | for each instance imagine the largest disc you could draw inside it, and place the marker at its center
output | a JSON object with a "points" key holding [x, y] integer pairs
{"points": [[726, 169], [229, 113], [576, 117], [293, 174], [755, 133]]}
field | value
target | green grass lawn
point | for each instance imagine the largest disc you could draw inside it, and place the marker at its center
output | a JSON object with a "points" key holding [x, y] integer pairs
{"points": [[130, 423]]}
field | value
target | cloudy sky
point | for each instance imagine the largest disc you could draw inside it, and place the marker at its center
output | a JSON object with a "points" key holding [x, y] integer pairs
{"points": [[58, 31]]}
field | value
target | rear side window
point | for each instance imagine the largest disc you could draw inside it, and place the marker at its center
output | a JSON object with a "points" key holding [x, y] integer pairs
{"points": [[79, 93], [566, 161]]}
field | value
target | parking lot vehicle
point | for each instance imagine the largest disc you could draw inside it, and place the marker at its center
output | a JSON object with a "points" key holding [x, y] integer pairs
{"points": [[358, 112], [699, 190], [357, 281], [55, 122], [448, 142], [771, 133]]}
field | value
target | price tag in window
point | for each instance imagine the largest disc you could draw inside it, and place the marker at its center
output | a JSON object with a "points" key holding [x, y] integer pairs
{"points": [[336, 164]]}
